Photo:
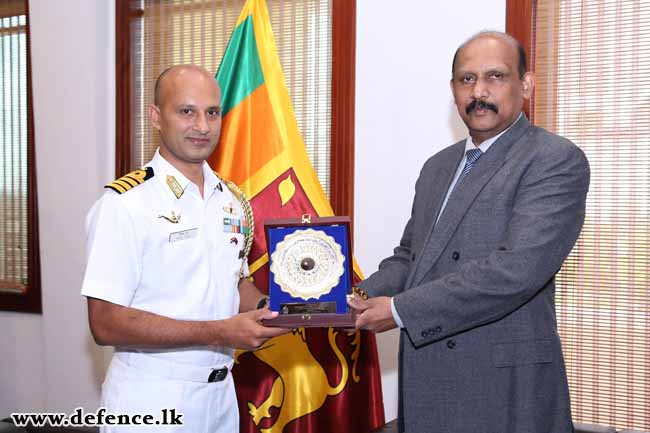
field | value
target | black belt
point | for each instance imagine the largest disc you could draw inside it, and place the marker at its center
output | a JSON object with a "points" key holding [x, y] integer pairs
{"points": [[218, 375]]}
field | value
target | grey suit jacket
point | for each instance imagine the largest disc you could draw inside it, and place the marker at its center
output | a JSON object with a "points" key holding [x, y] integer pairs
{"points": [[479, 352]]}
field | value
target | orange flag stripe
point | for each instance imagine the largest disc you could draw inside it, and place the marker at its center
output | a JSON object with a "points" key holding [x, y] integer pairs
{"points": [[283, 112], [256, 127]]}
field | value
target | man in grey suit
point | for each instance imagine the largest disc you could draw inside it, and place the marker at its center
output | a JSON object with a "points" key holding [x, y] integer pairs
{"points": [[471, 283]]}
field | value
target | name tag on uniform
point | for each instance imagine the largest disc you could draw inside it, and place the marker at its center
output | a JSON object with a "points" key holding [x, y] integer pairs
{"points": [[183, 235]]}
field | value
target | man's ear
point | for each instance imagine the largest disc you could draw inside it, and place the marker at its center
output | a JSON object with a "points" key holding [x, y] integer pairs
{"points": [[453, 91], [154, 116], [528, 84]]}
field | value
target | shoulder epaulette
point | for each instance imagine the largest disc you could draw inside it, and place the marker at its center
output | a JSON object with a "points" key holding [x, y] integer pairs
{"points": [[130, 180]]}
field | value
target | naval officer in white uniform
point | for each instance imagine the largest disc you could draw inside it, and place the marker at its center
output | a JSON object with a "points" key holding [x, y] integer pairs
{"points": [[166, 267]]}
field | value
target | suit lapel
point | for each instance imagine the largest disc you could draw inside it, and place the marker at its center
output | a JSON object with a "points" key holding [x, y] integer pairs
{"points": [[439, 192], [439, 189], [463, 196]]}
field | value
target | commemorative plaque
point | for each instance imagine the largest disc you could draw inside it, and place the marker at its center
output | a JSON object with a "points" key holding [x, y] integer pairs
{"points": [[310, 271]]}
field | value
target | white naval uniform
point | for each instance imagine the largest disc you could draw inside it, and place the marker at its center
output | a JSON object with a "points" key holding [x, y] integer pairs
{"points": [[188, 270]]}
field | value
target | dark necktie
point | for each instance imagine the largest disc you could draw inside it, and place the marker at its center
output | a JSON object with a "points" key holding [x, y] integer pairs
{"points": [[472, 156]]}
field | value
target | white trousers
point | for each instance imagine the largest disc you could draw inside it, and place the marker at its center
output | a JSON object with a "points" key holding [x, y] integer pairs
{"points": [[206, 407]]}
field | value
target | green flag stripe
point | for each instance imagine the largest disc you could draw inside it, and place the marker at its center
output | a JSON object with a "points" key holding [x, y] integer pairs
{"points": [[240, 71]]}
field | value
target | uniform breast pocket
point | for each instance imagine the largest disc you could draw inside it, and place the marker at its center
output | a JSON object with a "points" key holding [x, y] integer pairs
{"points": [[182, 236], [236, 243], [165, 237], [181, 246]]}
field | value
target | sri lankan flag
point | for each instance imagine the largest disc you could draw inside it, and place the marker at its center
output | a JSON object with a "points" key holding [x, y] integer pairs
{"points": [[313, 380]]}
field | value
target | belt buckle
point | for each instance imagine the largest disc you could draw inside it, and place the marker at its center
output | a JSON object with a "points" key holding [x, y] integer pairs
{"points": [[217, 375]]}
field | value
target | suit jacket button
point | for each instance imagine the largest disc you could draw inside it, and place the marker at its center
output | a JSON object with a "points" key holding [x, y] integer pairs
{"points": [[502, 248], [424, 334], [455, 255], [451, 344]]}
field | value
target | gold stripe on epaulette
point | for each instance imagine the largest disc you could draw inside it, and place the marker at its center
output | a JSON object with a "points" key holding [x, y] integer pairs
{"points": [[127, 186], [130, 180], [141, 175], [115, 187]]}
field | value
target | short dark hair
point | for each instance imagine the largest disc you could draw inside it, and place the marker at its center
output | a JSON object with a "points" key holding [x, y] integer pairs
{"points": [[521, 67]]}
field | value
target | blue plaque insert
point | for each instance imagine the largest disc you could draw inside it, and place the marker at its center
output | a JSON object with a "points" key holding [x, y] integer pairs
{"points": [[335, 227]]}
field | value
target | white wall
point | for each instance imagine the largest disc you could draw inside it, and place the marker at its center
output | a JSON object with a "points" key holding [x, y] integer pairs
{"points": [[49, 362], [404, 114]]}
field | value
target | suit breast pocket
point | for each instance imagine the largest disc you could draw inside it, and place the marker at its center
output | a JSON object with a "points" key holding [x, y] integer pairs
{"points": [[492, 206], [516, 353], [496, 198]]}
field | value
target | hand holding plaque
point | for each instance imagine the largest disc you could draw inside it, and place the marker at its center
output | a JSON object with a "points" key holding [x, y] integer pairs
{"points": [[310, 272]]}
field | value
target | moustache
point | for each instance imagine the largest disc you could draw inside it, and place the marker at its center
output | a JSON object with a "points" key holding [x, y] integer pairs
{"points": [[481, 104]]}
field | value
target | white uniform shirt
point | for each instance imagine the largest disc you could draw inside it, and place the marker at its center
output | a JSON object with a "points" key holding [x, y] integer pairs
{"points": [[188, 270]]}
